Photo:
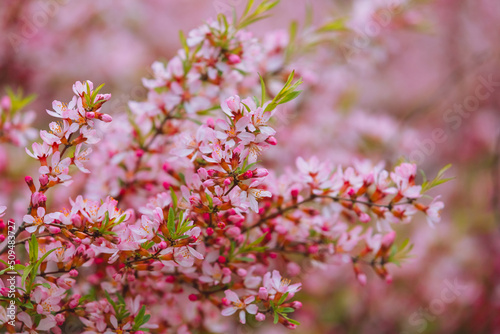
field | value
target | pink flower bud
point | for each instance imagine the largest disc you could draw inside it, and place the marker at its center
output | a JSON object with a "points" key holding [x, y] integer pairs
{"points": [[313, 249], [210, 231], [271, 140], [202, 172], [280, 229], [211, 183], [260, 172], [233, 103], [75, 300], [294, 192], [225, 301], [2, 238], [166, 167], [106, 118], [241, 272], [157, 266], [289, 325], [226, 271], [162, 245], [54, 229], [76, 220], [60, 318], [4, 291], [227, 181], [351, 192], [273, 255], [192, 297], [248, 174], [43, 179], [260, 317], [296, 305], [73, 273], [364, 217], [170, 279], [210, 123], [362, 278], [195, 201], [233, 232], [221, 259], [139, 153], [5, 103], [233, 59], [90, 115], [166, 185], [263, 294], [388, 239]]}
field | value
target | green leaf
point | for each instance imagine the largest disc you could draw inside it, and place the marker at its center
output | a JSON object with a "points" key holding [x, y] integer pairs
{"points": [[38, 263], [183, 178], [262, 90], [276, 318], [248, 7], [210, 201], [286, 310], [290, 97], [26, 272], [258, 14], [171, 222], [400, 253], [442, 170], [17, 100], [287, 93], [337, 25], [427, 185], [174, 198], [94, 94], [295, 322], [33, 249], [282, 299], [292, 32], [184, 44], [111, 301]]}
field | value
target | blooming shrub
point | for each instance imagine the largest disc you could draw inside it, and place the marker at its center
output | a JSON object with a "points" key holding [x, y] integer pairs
{"points": [[178, 224]]}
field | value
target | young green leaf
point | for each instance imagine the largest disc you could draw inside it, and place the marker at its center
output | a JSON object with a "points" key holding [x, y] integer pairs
{"points": [[171, 222]]}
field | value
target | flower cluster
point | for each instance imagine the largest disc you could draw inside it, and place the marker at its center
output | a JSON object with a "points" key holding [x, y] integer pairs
{"points": [[181, 226]]}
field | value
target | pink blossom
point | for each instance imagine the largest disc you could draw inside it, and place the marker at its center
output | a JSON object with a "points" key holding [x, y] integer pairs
{"points": [[237, 304]]}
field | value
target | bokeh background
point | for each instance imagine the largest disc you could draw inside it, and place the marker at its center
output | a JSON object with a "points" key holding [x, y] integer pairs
{"points": [[420, 81]]}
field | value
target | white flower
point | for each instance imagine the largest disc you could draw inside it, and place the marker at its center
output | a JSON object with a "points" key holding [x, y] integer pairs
{"points": [[237, 304]]}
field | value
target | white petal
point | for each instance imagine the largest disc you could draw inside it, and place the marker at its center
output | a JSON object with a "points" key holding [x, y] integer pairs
{"points": [[228, 311]]}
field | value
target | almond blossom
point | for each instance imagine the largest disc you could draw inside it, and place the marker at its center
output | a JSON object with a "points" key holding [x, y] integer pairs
{"points": [[245, 306]]}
